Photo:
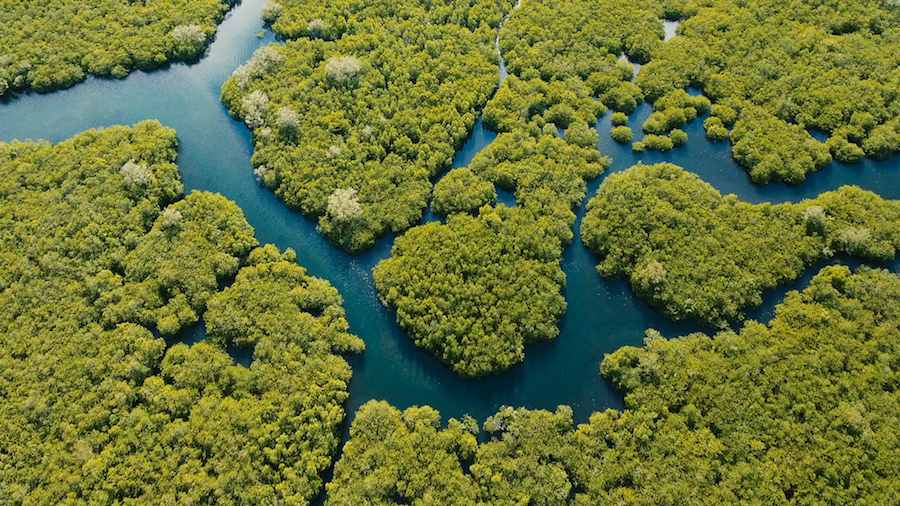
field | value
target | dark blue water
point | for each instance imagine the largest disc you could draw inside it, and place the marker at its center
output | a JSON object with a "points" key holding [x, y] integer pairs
{"points": [[215, 153]]}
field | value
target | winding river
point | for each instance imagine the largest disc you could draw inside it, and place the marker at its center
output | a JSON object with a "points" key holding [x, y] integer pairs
{"points": [[214, 155]]}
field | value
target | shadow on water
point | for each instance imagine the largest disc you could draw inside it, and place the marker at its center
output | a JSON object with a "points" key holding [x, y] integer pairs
{"points": [[214, 155]]}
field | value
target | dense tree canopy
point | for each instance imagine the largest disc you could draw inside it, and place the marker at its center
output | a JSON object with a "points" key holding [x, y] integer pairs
{"points": [[779, 69], [98, 250], [476, 290], [698, 255], [53, 44], [377, 98], [803, 410], [406, 458]]}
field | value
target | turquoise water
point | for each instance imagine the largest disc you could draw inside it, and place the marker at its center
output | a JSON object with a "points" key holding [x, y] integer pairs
{"points": [[215, 153]]}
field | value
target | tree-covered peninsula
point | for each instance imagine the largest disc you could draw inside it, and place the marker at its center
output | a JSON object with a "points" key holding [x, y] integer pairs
{"points": [[53, 44], [696, 254], [99, 251], [353, 118], [776, 70], [803, 410]]}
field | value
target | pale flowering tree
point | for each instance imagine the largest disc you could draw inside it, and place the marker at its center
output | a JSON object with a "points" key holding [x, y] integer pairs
{"points": [[270, 12], [264, 61], [342, 69], [814, 216], [316, 28], [343, 205], [256, 106], [170, 219], [135, 174], [189, 39], [287, 121]]}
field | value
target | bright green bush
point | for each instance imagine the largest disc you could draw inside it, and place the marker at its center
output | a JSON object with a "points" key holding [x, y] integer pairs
{"points": [[621, 134], [475, 291], [462, 191], [715, 129], [658, 143], [843, 150], [773, 150], [678, 137]]}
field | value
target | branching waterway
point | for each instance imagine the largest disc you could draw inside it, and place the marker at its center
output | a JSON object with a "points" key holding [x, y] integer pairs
{"points": [[214, 155]]}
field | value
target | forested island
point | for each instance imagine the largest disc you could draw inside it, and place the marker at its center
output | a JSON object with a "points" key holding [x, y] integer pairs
{"points": [[101, 252], [54, 44]]}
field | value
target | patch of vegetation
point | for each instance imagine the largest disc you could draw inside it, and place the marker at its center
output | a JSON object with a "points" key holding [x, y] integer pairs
{"points": [[621, 134], [54, 44], [698, 255], [475, 291]]}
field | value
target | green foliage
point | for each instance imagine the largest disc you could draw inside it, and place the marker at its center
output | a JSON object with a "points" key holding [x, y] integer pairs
{"points": [[561, 39], [53, 44], [475, 291], [177, 265], [638, 147], [294, 19], [776, 69], [715, 129], [698, 255], [619, 119], [678, 137], [621, 134], [843, 150], [406, 458], [99, 412], [624, 97], [674, 110], [785, 413], [378, 104], [519, 103], [398, 457], [658, 143], [773, 150], [727, 115], [462, 191]]}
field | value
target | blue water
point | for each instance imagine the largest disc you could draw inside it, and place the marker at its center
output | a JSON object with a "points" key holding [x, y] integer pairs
{"points": [[214, 155]]}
